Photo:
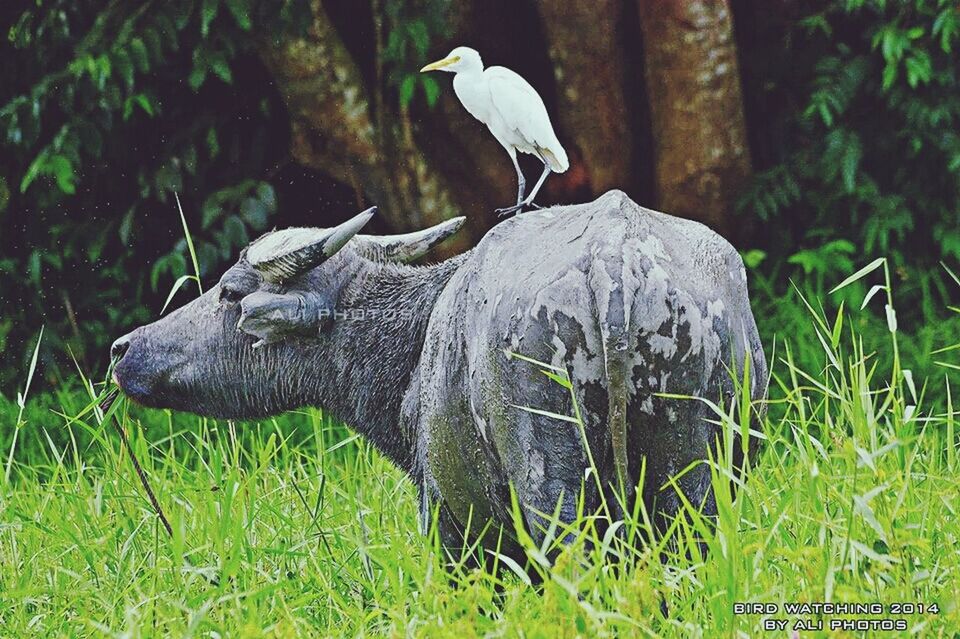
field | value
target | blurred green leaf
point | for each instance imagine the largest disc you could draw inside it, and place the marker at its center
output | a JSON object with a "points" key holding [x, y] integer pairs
{"points": [[406, 89], [918, 69], [198, 72], [138, 53], [32, 171], [236, 236], [431, 89], [189, 156], [182, 9], [4, 194], [140, 100], [753, 258], [154, 45], [213, 145], [890, 72], [852, 153], [211, 211], [55, 165], [33, 267], [126, 226], [124, 66], [267, 196], [241, 12], [220, 67], [208, 11], [420, 36]]}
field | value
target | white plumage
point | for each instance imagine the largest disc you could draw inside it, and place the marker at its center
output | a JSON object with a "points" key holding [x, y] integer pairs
{"points": [[511, 109]]}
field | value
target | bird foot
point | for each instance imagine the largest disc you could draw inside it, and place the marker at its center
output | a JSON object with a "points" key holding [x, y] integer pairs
{"points": [[517, 208]]}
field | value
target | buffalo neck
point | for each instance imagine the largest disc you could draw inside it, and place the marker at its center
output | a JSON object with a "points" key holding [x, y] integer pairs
{"points": [[376, 341]]}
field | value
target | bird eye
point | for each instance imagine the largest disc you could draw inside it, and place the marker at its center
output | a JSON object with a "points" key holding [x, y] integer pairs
{"points": [[229, 295]]}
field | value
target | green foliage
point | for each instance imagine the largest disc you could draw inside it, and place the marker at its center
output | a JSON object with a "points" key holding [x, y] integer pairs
{"points": [[411, 29], [868, 161], [112, 108]]}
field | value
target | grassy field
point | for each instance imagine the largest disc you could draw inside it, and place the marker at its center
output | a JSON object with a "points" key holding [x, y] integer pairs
{"points": [[295, 527]]}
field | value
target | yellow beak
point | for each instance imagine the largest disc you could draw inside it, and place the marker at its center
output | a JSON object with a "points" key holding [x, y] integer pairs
{"points": [[439, 64]]}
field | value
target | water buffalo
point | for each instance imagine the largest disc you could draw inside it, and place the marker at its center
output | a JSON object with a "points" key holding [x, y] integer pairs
{"points": [[631, 302]]}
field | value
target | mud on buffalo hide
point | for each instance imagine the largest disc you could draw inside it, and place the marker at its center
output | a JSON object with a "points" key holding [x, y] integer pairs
{"points": [[632, 303]]}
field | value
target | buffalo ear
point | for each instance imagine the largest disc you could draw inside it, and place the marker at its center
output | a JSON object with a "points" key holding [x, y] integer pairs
{"points": [[272, 317]]}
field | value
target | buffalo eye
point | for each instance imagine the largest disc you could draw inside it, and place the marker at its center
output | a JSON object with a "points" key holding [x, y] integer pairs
{"points": [[229, 295]]}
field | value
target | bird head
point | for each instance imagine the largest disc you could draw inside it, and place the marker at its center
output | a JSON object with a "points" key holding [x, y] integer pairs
{"points": [[460, 59]]}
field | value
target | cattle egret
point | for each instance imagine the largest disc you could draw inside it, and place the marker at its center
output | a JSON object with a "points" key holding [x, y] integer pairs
{"points": [[511, 109]]}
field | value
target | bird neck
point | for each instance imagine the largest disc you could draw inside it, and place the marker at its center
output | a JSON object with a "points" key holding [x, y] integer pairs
{"points": [[471, 69]]}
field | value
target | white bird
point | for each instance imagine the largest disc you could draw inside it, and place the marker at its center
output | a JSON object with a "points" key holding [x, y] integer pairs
{"points": [[511, 109]]}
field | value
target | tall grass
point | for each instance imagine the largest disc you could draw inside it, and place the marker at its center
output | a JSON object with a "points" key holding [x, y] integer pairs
{"points": [[295, 527]]}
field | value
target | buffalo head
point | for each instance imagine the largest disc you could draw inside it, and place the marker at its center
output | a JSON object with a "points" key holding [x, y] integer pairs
{"points": [[251, 345]]}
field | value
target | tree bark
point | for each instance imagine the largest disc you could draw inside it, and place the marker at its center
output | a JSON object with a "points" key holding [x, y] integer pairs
{"points": [[585, 43], [693, 83], [336, 129]]}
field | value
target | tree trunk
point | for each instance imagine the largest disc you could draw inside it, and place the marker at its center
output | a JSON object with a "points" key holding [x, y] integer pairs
{"points": [[585, 43], [693, 84], [336, 129]]}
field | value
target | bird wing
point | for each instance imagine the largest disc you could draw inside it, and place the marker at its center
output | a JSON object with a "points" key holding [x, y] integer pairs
{"points": [[523, 112]]}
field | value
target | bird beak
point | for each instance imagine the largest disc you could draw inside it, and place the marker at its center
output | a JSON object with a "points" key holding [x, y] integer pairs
{"points": [[439, 64]]}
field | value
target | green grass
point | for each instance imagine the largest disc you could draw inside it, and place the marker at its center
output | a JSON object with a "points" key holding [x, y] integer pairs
{"points": [[296, 527]]}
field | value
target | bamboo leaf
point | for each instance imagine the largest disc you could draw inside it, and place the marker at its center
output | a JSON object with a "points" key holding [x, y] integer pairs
{"points": [[183, 279], [869, 268], [546, 413], [876, 288]]}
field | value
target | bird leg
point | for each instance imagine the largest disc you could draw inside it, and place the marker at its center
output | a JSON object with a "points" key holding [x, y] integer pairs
{"points": [[536, 187], [527, 201], [521, 181]]}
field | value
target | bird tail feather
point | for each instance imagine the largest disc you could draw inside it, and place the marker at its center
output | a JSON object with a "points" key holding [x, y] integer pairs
{"points": [[555, 158]]}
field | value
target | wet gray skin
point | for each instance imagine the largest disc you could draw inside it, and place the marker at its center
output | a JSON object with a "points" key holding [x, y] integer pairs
{"points": [[630, 301]]}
